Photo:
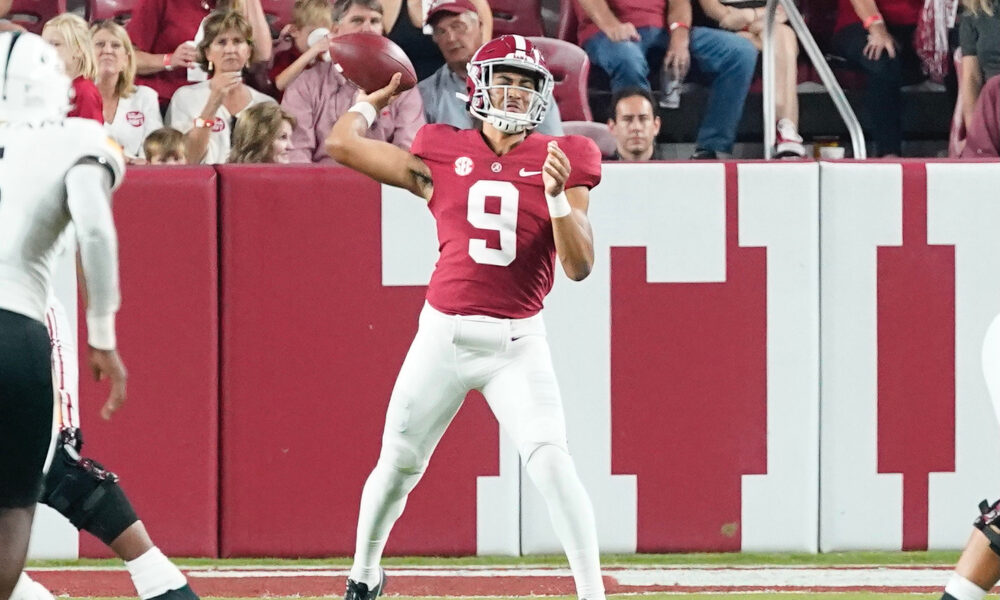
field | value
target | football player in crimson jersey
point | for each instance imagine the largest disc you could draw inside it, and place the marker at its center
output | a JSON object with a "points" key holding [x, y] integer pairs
{"points": [[507, 202]]}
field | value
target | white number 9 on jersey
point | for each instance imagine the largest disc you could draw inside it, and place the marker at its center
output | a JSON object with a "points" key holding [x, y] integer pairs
{"points": [[505, 222]]}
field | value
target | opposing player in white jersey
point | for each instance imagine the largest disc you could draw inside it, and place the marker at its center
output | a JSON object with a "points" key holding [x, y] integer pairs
{"points": [[53, 171], [506, 201]]}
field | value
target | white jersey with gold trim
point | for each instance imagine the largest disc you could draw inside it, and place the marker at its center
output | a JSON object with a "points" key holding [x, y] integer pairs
{"points": [[34, 161]]}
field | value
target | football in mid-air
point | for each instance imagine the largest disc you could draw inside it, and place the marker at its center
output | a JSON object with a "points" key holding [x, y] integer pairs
{"points": [[370, 60]]}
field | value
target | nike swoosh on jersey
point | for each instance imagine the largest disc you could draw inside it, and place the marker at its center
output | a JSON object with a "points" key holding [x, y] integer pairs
{"points": [[524, 173]]}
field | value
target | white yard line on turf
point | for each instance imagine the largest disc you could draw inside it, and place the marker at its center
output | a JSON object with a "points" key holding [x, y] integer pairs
{"points": [[782, 577], [679, 576]]}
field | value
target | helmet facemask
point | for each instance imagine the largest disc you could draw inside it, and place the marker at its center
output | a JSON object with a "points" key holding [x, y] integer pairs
{"points": [[481, 104]]}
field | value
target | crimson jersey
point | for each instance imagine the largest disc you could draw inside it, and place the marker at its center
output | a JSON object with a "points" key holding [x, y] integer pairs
{"points": [[494, 230], [87, 101]]}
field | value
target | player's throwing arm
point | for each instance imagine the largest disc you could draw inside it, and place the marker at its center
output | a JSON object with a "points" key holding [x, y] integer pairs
{"points": [[379, 160]]}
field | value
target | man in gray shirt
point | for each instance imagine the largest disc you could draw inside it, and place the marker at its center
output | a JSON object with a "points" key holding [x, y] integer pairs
{"points": [[458, 33]]}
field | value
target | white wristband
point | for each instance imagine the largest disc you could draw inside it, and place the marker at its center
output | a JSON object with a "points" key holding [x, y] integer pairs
{"points": [[367, 110], [558, 205], [101, 332]]}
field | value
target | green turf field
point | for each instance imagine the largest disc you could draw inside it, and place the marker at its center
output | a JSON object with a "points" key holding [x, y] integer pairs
{"points": [[939, 559]]}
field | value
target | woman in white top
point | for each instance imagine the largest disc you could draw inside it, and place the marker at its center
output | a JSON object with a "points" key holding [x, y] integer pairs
{"points": [[131, 112], [206, 112]]}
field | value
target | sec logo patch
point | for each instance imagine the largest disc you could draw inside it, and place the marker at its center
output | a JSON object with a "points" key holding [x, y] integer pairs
{"points": [[463, 165]]}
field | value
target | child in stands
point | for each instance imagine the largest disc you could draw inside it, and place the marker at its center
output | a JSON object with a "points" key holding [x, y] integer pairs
{"points": [[308, 18]]}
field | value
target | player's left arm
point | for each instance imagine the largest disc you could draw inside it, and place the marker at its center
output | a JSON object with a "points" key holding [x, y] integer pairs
{"points": [[568, 209], [88, 198]]}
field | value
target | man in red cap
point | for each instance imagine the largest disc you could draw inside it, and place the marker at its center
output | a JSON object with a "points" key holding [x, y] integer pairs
{"points": [[458, 32]]}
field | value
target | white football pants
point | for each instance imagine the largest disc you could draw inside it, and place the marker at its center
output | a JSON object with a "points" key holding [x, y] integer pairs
{"points": [[508, 360], [991, 363]]}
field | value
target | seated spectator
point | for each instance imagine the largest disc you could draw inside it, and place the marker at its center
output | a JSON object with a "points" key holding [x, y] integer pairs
{"points": [[69, 34], [165, 146], [404, 21], [130, 112], [321, 94], [880, 43], [982, 138], [163, 33], [624, 38], [746, 19], [635, 125], [263, 134], [979, 36], [307, 17], [205, 112], [457, 32]]}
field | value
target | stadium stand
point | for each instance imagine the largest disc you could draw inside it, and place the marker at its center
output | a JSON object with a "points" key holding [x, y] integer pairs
{"points": [[926, 109], [278, 14], [570, 67], [523, 17], [118, 10], [32, 14]]}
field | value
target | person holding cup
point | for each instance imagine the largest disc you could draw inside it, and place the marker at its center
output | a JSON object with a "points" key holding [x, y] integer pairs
{"points": [[205, 111], [309, 33], [321, 95], [163, 32]]}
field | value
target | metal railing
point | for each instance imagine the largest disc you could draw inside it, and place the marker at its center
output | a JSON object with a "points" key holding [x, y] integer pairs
{"points": [[825, 74]]}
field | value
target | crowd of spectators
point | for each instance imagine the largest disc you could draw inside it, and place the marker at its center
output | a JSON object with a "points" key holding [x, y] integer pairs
{"points": [[227, 92], [320, 94]]}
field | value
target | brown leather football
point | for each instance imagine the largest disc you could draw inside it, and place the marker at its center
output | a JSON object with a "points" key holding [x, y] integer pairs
{"points": [[370, 60]]}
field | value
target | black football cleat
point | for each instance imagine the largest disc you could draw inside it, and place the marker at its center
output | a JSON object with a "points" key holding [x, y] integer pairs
{"points": [[183, 593], [360, 591]]}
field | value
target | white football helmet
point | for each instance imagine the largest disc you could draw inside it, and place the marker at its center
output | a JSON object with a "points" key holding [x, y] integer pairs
{"points": [[33, 82], [505, 53]]}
